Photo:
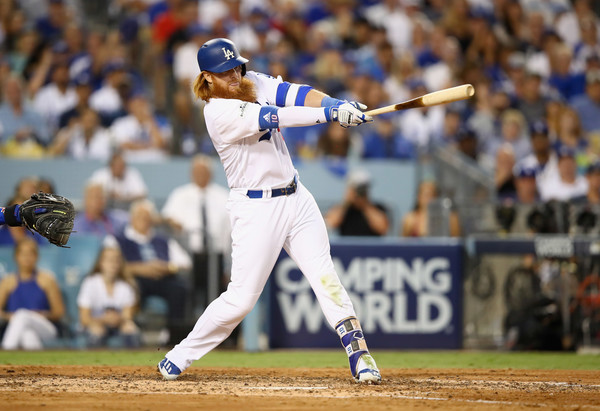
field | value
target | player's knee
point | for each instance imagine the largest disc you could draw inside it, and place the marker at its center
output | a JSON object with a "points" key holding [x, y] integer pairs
{"points": [[246, 304], [242, 302]]}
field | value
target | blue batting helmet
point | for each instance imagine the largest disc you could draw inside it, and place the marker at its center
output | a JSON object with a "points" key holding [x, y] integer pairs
{"points": [[220, 55]]}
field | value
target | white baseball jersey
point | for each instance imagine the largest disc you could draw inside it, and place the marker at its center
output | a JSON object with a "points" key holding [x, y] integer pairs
{"points": [[252, 158]]}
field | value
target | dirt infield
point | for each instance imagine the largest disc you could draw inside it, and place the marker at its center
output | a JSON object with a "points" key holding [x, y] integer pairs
{"points": [[244, 389]]}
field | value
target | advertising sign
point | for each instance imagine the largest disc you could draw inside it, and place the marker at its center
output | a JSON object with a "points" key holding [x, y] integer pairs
{"points": [[405, 296]]}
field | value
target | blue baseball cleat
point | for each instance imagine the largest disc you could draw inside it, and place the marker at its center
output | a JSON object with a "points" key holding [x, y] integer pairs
{"points": [[169, 370]]}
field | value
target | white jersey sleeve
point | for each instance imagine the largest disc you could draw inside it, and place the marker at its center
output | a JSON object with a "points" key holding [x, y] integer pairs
{"points": [[231, 120], [278, 92], [247, 136]]}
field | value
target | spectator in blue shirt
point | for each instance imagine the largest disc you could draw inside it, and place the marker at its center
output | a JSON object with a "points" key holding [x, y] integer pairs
{"points": [[51, 26], [588, 105], [95, 219], [17, 119], [30, 301], [568, 84], [384, 140]]}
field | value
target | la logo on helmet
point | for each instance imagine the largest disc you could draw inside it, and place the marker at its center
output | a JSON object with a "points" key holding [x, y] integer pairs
{"points": [[228, 53]]}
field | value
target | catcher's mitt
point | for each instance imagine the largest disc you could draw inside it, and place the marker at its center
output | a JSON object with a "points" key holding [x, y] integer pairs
{"points": [[50, 215]]}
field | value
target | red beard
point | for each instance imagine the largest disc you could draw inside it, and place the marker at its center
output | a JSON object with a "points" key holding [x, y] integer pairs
{"points": [[245, 92]]}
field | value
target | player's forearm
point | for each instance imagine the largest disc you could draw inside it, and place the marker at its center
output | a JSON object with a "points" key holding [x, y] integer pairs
{"points": [[301, 116], [272, 117], [314, 98]]}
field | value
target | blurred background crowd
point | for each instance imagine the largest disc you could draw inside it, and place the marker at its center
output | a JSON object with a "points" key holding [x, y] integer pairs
{"points": [[80, 79], [109, 80]]}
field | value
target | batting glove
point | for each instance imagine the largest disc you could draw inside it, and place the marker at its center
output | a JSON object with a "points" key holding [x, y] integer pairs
{"points": [[349, 114]]}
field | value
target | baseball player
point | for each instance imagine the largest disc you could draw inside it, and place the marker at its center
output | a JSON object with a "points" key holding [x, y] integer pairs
{"points": [[268, 206]]}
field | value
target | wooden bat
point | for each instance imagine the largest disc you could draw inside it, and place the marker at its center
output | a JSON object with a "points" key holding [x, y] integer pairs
{"points": [[447, 95]]}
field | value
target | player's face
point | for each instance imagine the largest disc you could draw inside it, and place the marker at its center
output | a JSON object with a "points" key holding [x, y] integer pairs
{"points": [[231, 85], [228, 80]]}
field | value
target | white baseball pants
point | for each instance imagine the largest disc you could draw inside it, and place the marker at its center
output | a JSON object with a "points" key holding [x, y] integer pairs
{"points": [[27, 330], [260, 228]]}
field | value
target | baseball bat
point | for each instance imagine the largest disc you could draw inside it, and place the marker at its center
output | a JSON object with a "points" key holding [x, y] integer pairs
{"points": [[444, 96]]}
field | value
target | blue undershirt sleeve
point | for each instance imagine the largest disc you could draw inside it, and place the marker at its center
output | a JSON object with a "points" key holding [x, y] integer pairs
{"points": [[301, 96]]}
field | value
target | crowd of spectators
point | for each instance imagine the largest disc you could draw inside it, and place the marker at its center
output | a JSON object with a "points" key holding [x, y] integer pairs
{"points": [[81, 79]]}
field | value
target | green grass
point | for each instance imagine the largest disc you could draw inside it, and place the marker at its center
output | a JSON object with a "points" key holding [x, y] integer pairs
{"points": [[320, 358]]}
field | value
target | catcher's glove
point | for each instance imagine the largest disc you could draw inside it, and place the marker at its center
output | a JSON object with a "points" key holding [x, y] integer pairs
{"points": [[50, 215]]}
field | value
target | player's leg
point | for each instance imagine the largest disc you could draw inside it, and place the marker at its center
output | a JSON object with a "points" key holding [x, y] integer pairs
{"points": [[308, 245], [258, 233]]}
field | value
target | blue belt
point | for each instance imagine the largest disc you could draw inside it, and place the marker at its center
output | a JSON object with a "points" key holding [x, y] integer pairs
{"points": [[276, 192]]}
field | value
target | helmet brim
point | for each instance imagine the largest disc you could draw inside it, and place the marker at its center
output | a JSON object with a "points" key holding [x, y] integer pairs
{"points": [[229, 64]]}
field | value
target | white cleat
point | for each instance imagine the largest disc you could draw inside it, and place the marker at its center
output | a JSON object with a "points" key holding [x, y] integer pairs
{"points": [[367, 371], [168, 370]]}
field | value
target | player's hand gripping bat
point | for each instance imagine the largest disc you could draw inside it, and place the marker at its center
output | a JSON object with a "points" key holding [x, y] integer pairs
{"points": [[447, 95]]}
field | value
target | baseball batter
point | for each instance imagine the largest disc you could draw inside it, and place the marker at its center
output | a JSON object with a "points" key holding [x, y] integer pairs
{"points": [[269, 208]]}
